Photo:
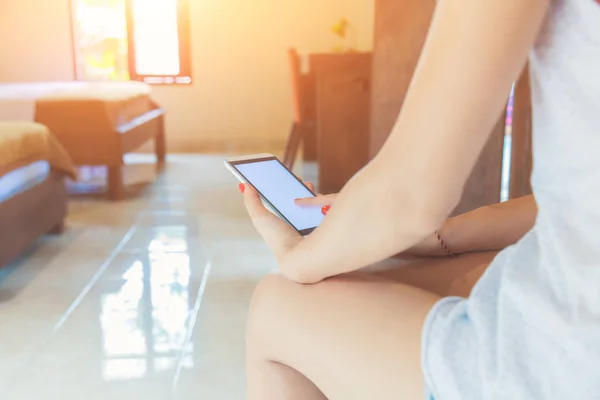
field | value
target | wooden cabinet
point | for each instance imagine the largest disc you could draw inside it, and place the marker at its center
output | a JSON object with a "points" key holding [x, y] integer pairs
{"points": [[343, 102]]}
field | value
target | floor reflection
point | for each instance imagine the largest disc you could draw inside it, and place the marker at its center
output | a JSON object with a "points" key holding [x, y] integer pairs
{"points": [[144, 324]]}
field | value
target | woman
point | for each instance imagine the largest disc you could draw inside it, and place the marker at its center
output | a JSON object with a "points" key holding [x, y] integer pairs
{"points": [[530, 328]]}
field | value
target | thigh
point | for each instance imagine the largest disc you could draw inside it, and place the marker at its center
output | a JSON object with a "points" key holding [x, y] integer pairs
{"points": [[447, 276], [355, 336]]}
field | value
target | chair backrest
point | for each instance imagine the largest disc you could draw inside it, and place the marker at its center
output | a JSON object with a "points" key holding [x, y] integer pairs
{"points": [[296, 81]]}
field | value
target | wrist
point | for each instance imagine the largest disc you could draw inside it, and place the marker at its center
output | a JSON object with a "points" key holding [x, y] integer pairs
{"points": [[428, 247], [442, 244], [293, 264]]}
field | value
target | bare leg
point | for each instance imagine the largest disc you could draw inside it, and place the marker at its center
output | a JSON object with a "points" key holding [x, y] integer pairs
{"points": [[269, 380], [354, 336], [448, 276]]}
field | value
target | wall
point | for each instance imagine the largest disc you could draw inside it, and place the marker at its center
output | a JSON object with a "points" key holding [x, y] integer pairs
{"points": [[240, 95], [35, 45]]}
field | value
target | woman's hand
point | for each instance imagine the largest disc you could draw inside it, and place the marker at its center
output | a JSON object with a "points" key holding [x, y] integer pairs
{"points": [[429, 247], [323, 201], [277, 234]]}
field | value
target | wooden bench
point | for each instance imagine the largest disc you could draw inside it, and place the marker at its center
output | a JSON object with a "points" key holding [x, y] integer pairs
{"points": [[98, 127]]}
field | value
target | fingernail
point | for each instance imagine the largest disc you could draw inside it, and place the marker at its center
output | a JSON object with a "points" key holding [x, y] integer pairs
{"points": [[325, 209], [242, 188]]}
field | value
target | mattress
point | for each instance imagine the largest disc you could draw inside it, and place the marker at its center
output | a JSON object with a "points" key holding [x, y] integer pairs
{"points": [[21, 179], [107, 91], [118, 102]]}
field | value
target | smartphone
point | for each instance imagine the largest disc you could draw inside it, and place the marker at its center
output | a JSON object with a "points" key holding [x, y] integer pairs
{"points": [[278, 188]]}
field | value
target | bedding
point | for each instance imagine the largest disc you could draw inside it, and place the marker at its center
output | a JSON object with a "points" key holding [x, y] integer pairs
{"points": [[24, 143], [23, 178], [120, 101]]}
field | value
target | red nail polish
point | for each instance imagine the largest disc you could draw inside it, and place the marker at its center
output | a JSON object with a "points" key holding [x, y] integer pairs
{"points": [[242, 188], [325, 209]]}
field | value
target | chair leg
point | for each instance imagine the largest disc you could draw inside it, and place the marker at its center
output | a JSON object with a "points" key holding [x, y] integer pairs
{"points": [[292, 145], [116, 187]]}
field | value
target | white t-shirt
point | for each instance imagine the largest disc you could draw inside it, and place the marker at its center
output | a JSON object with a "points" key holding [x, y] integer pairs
{"points": [[531, 327]]}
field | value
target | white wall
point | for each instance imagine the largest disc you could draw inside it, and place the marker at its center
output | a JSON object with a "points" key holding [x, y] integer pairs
{"points": [[35, 40], [240, 93]]}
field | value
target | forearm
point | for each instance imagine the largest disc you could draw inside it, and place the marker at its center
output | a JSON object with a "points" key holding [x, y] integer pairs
{"points": [[369, 221], [489, 228], [475, 50]]}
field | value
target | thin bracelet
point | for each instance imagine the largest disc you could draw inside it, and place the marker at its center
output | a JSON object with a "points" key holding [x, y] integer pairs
{"points": [[439, 238]]}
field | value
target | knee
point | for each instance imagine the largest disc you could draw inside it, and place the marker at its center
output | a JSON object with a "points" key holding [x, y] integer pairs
{"points": [[277, 303], [266, 309]]}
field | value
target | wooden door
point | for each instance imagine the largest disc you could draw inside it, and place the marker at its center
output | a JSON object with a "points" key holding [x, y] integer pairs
{"points": [[521, 153]]}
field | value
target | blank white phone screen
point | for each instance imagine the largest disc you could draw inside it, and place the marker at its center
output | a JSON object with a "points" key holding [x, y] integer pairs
{"points": [[281, 188]]}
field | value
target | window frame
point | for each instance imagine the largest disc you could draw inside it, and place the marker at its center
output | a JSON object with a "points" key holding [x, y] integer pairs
{"points": [[184, 39], [185, 63]]}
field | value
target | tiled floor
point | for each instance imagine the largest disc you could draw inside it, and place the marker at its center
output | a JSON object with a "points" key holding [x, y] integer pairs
{"points": [[143, 299]]}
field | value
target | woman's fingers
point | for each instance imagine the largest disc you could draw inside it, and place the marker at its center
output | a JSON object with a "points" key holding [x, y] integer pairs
{"points": [[277, 234], [252, 201], [318, 201]]}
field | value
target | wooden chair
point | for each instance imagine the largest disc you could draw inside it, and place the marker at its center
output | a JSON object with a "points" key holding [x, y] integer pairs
{"points": [[303, 124]]}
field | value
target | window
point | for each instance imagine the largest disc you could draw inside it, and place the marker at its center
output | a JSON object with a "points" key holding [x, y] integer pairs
{"points": [[142, 40]]}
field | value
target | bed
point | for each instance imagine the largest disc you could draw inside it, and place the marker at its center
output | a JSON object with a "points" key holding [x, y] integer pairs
{"points": [[97, 123], [33, 197]]}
